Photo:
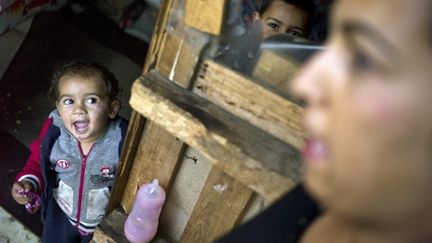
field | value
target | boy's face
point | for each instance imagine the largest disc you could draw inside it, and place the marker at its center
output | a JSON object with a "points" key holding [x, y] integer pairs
{"points": [[281, 17], [85, 108]]}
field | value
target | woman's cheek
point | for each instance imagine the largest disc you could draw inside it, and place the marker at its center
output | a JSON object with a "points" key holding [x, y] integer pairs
{"points": [[378, 108]]}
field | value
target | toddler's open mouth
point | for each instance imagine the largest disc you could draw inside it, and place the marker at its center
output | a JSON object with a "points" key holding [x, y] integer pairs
{"points": [[81, 126]]}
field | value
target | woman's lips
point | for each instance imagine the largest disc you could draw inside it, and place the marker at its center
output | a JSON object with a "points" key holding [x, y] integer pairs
{"points": [[315, 150]]}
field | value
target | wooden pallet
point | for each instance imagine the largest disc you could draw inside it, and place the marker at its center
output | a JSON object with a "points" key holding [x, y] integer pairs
{"points": [[223, 146]]}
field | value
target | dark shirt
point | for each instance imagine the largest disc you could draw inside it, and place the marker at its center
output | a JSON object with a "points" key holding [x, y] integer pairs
{"points": [[284, 221]]}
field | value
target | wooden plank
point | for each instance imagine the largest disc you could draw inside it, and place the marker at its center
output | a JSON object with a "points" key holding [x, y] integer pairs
{"points": [[179, 57], [179, 49], [158, 35], [111, 229], [101, 237], [136, 123], [183, 194], [266, 164], [129, 149], [275, 70], [177, 60], [205, 15], [157, 157], [252, 102], [218, 209]]}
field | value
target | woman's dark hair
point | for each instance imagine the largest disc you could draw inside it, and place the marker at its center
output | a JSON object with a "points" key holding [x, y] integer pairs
{"points": [[85, 69]]}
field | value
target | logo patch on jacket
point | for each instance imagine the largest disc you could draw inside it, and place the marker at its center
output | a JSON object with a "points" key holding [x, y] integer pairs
{"points": [[106, 174], [62, 163], [106, 171]]}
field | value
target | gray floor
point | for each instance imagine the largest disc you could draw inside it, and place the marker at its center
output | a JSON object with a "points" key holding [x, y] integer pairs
{"points": [[12, 230]]}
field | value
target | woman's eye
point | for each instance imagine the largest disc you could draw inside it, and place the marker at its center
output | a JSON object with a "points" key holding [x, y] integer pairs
{"points": [[68, 101], [273, 26], [361, 61], [91, 100]]}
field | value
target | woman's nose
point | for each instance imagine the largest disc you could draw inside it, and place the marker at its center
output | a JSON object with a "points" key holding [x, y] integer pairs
{"points": [[309, 84]]}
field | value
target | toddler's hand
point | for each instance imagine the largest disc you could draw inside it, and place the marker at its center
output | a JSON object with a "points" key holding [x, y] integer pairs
{"points": [[19, 192]]}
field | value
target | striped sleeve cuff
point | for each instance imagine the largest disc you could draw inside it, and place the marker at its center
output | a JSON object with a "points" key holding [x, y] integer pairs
{"points": [[33, 180]]}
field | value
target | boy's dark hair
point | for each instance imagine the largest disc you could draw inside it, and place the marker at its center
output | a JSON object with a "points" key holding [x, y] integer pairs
{"points": [[305, 5], [85, 69]]}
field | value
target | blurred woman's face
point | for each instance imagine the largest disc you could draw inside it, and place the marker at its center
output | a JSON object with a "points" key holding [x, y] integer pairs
{"points": [[369, 112]]}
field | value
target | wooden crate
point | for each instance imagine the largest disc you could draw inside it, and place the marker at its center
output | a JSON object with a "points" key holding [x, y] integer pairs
{"points": [[221, 145]]}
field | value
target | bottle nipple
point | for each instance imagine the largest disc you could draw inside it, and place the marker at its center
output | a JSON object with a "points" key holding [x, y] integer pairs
{"points": [[153, 189]]}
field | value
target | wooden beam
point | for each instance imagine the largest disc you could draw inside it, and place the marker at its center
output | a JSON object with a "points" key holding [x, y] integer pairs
{"points": [[264, 163], [129, 150], [251, 101], [136, 123], [158, 33], [111, 228], [157, 158], [219, 207], [178, 59], [205, 15], [275, 70]]}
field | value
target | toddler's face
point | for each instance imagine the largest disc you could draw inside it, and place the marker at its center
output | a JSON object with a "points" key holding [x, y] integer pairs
{"points": [[84, 107]]}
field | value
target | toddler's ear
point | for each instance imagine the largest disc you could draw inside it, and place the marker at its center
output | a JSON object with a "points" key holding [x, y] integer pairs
{"points": [[58, 108], [114, 108]]}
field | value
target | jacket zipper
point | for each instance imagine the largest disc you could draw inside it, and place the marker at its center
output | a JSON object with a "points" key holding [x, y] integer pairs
{"points": [[81, 183]]}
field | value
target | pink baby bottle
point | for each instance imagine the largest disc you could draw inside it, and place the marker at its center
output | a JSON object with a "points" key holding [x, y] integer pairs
{"points": [[142, 223]]}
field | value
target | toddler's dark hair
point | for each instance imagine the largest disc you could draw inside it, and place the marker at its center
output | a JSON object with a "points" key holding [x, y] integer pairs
{"points": [[85, 69]]}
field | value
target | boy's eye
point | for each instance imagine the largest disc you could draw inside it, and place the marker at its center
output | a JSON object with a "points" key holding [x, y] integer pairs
{"points": [[273, 26], [295, 33], [91, 100], [68, 101]]}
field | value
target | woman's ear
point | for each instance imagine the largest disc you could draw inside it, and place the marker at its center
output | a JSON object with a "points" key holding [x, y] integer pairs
{"points": [[256, 16], [115, 107]]}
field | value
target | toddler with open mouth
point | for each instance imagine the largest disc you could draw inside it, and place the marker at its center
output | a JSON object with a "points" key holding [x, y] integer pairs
{"points": [[73, 162]]}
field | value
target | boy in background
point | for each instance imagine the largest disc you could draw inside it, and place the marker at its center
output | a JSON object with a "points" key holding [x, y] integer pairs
{"points": [[292, 17]]}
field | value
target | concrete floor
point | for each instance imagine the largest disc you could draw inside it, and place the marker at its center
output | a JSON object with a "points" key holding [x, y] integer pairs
{"points": [[12, 230]]}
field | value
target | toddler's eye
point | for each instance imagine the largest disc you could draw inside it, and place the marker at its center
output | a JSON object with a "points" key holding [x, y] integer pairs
{"points": [[91, 100], [68, 101]]}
